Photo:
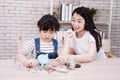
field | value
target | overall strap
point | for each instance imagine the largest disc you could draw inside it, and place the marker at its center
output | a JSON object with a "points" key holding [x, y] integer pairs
{"points": [[54, 54], [37, 46], [51, 55], [55, 44]]}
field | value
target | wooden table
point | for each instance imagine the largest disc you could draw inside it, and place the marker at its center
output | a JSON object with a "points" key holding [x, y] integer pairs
{"points": [[105, 69]]}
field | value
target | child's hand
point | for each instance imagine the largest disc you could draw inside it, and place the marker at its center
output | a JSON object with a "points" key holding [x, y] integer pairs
{"points": [[30, 63]]}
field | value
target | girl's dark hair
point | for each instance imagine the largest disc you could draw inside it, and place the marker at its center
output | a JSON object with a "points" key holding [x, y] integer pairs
{"points": [[48, 22], [89, 24]]}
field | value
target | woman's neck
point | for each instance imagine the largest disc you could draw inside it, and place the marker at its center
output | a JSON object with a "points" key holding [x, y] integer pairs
{"points": [[80, 34]]}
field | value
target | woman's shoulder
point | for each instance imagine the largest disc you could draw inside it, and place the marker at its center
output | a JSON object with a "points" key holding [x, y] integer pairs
{"points": [[89, 35]]}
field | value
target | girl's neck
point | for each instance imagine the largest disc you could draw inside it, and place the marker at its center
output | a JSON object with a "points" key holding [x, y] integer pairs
{"points": [[42, 40], [80, 34]]}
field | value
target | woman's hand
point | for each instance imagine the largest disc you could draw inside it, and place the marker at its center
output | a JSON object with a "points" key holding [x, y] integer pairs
{"points": [[67, 43], [62, 59], [69, 34], [30, 63]]}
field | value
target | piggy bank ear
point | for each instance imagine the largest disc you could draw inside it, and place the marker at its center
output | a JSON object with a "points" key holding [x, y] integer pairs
{"points": [[47, 55], [42, 59]]}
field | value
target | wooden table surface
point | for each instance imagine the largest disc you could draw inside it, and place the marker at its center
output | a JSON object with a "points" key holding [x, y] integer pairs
{"points": [[104, 69]]}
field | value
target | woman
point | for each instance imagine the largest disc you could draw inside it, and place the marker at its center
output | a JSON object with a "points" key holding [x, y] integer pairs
{"points": [[84, 40]]}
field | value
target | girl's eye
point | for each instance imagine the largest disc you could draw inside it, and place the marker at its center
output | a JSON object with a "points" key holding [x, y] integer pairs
{"points": [[51, 32], [45, 31]]}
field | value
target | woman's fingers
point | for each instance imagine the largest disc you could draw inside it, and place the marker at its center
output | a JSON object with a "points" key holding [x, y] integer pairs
{"points": [[60, 60]]}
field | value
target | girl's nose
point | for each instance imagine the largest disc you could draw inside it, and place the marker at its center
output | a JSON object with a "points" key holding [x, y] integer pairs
{"points": [[47, 34]]}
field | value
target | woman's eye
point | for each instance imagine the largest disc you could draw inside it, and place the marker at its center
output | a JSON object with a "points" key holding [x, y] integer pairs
{"points": [[79, 21], [73, 20]]}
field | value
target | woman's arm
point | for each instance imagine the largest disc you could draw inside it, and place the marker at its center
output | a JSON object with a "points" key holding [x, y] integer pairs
{"points": [[79, 58], [88, 56]]}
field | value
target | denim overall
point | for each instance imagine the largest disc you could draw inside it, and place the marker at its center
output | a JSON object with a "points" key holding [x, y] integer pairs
{"points": [[51, 55]]}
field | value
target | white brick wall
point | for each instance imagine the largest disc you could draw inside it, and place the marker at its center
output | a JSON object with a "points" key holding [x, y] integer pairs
{"points": [[19, 17]]}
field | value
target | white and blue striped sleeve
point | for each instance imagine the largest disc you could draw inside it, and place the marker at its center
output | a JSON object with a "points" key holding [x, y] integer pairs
{"points": [[29, 46]]}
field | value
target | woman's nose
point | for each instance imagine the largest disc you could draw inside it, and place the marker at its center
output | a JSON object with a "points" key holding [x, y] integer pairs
{"points": [[75, 24]]}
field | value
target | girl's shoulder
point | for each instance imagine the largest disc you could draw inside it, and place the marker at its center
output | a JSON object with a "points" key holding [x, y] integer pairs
{"points": [[30, 42]]}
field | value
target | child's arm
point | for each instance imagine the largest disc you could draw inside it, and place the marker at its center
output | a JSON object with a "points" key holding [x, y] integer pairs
{"points": [[29, 63]]}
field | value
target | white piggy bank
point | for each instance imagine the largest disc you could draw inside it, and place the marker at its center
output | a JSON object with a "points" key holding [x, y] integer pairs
{"points": [[43, 59]]}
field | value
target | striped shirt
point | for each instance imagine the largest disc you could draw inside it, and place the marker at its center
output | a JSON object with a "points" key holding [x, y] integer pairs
{"points": [[29, 47]]}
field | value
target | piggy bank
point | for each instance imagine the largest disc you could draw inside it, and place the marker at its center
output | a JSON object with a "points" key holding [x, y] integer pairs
{"points": [[43, 59]]}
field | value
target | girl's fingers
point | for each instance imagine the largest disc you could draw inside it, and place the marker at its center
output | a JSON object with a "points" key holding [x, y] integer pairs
{"points": [[31, 63]]}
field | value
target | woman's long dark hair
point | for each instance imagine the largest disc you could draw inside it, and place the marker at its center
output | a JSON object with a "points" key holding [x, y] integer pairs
{"points": [[89, 24]]}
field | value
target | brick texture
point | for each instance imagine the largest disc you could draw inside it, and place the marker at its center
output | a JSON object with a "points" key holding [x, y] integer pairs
{"points": [[19, 18]]}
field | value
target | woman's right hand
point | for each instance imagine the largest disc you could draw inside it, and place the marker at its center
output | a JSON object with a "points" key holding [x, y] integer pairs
{"points": [[69, 34], [62, 59]]}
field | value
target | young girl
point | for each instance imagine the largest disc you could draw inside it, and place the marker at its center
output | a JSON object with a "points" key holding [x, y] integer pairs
{"points": [[84, 40], [45, 44]]}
